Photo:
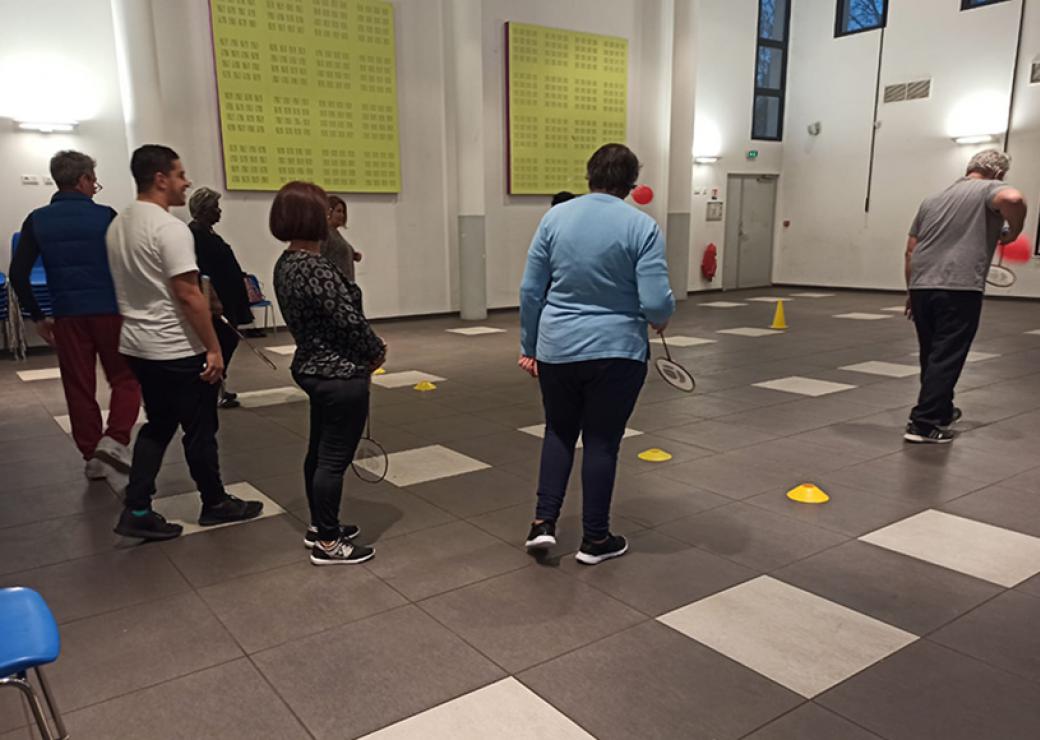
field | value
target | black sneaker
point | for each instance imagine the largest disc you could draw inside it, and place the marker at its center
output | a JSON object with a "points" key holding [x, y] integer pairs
{"points": [[231, 509], [542, 536], [346, 532], [151, 526], [954, 418], [342, 552], [229, 401], [919, 435], [592, 553]]}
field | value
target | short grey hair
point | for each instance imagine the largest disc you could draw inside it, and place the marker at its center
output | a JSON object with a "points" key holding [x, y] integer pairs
{"points": [[68, 166], [990, 163], [202, 199]]}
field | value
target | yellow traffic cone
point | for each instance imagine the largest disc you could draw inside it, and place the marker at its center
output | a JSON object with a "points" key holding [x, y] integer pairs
{"points": [[654, 454], [779, 322], [425, 385], [380, 371], [808, 493]]}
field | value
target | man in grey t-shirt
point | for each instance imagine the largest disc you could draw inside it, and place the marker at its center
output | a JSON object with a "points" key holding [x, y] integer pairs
{"points": [[951, 243]]}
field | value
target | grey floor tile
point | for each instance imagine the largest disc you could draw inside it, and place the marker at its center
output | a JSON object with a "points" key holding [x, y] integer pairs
{"points": [[511, 525], [384, 511], [660, 573], [287, 490], [651, 499], [718, 436], [1003, 506], [1001, 632], [752, 536], [908, 593], [251, 547], [231, 701], [273, 607], [809, 722], [653, 682], [735, 480], [529, 616], [102, 583], [630, 462], [439, 559], [965, 698], [25, 506], [67, 538], [355, 679], [475, 493], [112, 654], [499, 448]]}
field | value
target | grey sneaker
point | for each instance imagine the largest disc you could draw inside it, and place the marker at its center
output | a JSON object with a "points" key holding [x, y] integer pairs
{"points": [[112, 453], [342, 552]]}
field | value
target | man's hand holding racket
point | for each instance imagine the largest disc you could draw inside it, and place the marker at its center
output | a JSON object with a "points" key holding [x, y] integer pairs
{"points": [[529, 365]]}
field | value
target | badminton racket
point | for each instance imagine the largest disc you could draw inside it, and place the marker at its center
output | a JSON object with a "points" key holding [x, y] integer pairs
{"points": [[253, 348], [371, 463], [998, 275], [671, 371]]}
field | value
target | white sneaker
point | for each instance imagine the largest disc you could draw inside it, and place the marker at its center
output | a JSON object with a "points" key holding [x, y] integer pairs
{"points": [[95, 469], [111, 452]]}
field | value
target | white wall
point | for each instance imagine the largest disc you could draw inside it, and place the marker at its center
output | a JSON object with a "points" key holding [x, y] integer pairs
{"points": [[67, 44], [726, 35], [832, 240]]}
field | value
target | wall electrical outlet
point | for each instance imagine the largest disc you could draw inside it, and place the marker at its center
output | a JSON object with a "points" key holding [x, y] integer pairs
{"points": [[30, 180]]}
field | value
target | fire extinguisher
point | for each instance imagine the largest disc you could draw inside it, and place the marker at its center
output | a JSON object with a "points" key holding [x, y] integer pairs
{"points": [[710, 262]]}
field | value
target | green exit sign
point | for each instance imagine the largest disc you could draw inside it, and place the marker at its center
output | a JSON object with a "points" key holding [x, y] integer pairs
{"points": [[752, 154]]}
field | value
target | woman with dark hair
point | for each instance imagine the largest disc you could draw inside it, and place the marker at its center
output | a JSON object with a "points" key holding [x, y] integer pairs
{"points": [[336, 352], [338, 250], [596, 276]]}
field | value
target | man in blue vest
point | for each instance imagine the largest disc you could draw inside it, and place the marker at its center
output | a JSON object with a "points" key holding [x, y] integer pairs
{"points": [[69, 234]]}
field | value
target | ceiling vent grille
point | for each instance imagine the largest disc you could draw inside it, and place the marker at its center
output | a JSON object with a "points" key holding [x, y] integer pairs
{"points": [[895, 93]]}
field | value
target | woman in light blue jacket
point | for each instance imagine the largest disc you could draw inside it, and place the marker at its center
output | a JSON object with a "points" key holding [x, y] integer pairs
{"points": [[596, 276]]}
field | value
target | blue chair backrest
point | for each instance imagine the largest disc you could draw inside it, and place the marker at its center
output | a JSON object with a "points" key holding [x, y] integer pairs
{"points": [[38, 276]]}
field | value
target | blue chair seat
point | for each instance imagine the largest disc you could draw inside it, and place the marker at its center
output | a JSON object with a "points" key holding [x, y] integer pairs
{"points": [[28, 632]]}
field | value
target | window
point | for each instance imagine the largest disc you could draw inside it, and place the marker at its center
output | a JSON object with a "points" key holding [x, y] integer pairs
{"points": [[767, 120], [969, 4], [854, 16]]}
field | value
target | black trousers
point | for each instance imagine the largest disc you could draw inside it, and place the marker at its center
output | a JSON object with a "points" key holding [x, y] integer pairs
{"points": [[174, 395], [946, 322], [593, 399], [339, 409]]}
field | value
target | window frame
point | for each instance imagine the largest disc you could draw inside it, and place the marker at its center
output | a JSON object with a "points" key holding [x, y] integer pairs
{"points": [[780, 94], [969, 5], [839, 31]]}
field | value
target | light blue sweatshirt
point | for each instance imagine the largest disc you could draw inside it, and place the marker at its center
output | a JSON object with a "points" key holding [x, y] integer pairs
{"points": [[596, 274]]}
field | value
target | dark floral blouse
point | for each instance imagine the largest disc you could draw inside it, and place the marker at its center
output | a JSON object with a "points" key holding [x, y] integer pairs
{"points": [[323, 312]]}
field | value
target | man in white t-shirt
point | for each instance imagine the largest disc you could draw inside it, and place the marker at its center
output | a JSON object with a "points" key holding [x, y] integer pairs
{"points": [[169, 342]]}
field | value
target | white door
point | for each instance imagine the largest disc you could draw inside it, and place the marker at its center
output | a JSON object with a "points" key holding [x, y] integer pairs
{"points": [[748, 259]]}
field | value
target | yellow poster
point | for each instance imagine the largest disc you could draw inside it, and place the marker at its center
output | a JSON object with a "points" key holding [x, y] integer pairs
{"points": [[307, 91], [568, 95]]}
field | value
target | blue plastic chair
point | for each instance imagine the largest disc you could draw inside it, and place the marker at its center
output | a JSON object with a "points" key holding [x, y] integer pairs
{"points": [[29, 639], [256, 286]]}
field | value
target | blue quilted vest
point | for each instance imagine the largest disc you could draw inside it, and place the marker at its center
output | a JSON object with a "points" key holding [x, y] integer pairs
{"points": [[71, 234]]}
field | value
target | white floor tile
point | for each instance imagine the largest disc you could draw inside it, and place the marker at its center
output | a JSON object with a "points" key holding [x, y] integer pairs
{"points": [[973, 356], [888, 369], [857, 316], [991, 553], [895, 309], [771, 298], [281, 349], [681, 341], [804, 386], [506, 709], [722, 304], [404, 378], [1034, 331], [538, 430], [184, 508], [271, 397], [793, 637], [47, 373], [813, 295], [424, 464], [475, 331], [65, 421], [749, 331]]}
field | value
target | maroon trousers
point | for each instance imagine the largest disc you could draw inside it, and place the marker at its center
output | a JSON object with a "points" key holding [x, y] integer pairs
{"points": [[81, 341]]}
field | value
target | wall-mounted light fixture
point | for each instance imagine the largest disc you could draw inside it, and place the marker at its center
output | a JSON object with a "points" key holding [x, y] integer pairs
{"points": [[47, 127], [975, 139], [706, 159]]}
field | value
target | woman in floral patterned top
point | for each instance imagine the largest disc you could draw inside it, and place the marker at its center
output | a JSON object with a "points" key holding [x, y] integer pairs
{"points": [[336, 352]]}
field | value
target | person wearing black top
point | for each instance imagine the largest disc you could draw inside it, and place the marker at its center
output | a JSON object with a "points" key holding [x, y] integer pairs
{"points": [[336, 352], [217, 262]]}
